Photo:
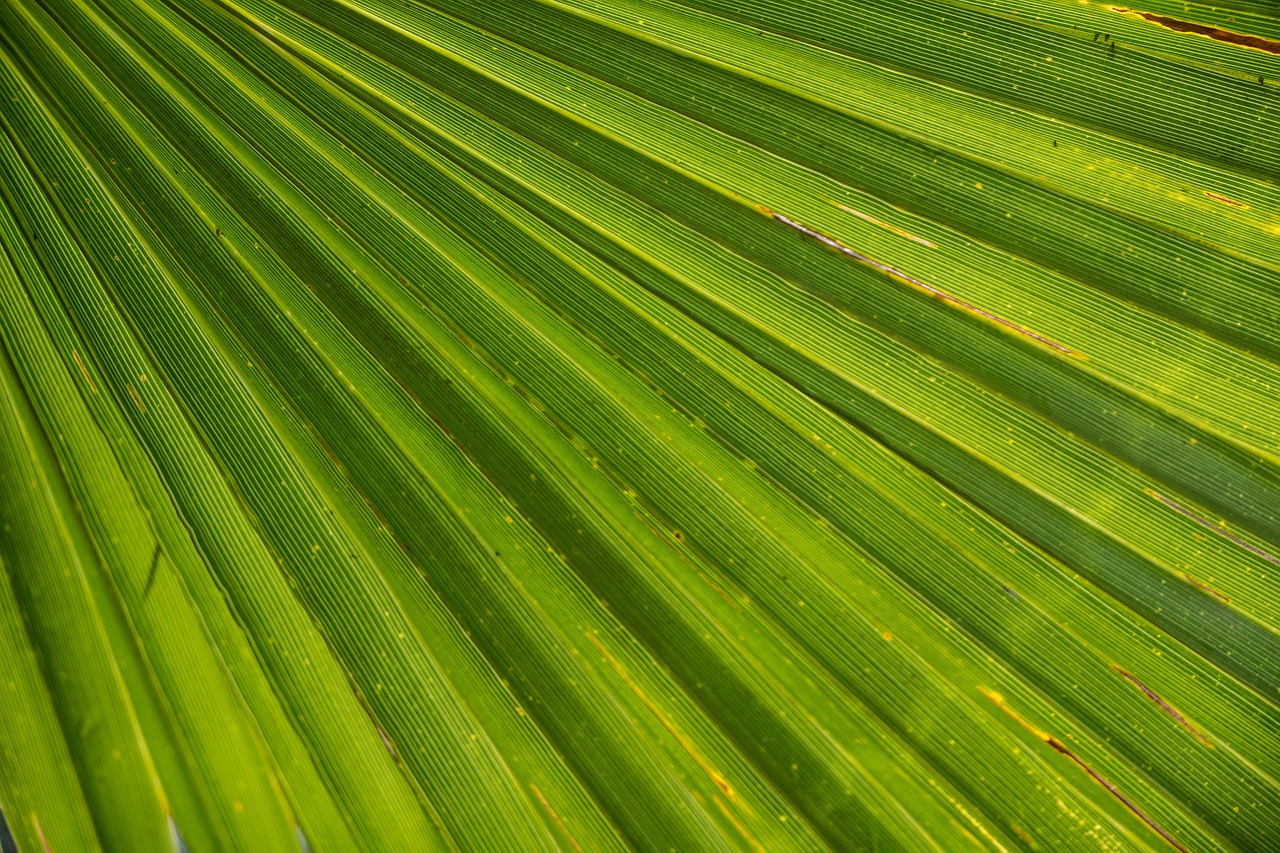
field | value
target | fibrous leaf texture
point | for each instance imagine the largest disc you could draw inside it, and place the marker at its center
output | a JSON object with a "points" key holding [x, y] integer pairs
{"points": [[574, 425]]}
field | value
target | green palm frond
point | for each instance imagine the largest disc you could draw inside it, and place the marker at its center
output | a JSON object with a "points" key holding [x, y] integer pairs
{"points": [[583, 425]]}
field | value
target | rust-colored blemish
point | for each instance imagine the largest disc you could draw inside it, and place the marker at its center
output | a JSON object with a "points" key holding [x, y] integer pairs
{"points": [[1227, 36], [720, 781], [886, 226], [1061, 748], [1025, 836], [1204, 522], [737, 824], [1164, 706], [137, 401], [915, 282], [555, 817], [1199, 584], [84, 372], [998, 701], [1225, 200]]}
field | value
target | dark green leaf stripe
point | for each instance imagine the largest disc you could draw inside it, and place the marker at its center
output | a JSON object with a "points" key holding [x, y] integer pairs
{"points": [[557, 424]]}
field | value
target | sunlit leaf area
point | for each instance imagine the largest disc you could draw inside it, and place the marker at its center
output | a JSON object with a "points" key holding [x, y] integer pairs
{"points": [[656, 425]]}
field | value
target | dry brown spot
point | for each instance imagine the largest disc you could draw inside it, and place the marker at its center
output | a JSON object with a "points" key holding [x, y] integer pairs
{"points": [[84, 372], [1240, 39], [1204, 522], [927, 288], [137, 401], [555, 817], [1164, 706], [1225, 200], [1061, 748]]}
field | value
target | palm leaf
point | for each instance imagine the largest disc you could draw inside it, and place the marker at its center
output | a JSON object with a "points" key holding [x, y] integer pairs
{"points": [[707, 425]]}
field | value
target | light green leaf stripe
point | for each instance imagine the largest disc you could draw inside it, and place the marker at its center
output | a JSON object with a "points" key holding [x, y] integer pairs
{"points": [[667, 425]]}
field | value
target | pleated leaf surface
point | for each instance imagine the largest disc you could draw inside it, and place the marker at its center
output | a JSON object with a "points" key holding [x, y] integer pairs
{"points": [[639, 425]]}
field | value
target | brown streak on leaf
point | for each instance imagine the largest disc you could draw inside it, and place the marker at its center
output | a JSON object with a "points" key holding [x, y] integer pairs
{"points": [[386, 739], [1215, 528], [555, 817], [84, 372], [737, 824], [723, 594], [885, 225], [1061, 748], [1225, 200], [1111, 789], [137, 401], [44, 842], [720, 781], [1204, 586], [999, 703], [927, 288], [1164, 706], [1239, 39]]}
